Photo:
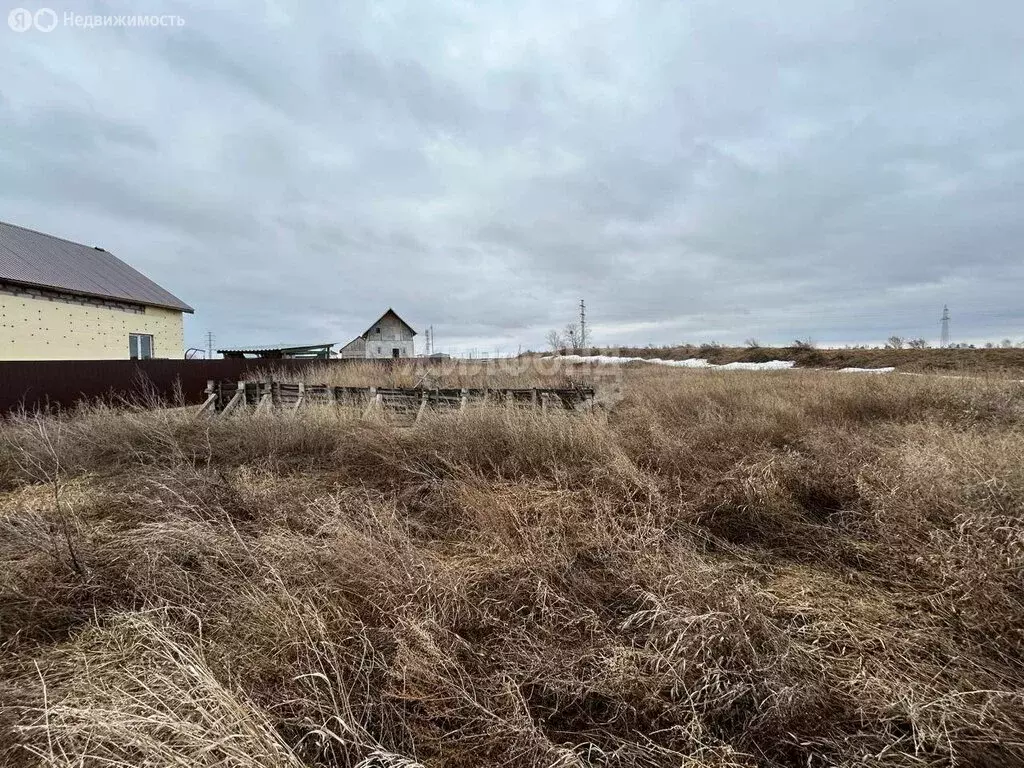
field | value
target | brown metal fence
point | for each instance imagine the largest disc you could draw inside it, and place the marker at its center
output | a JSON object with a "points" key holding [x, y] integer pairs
{"points": [[46, 384]]}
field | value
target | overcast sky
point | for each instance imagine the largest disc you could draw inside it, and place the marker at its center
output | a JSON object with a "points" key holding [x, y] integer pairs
{"points": [[696, 170]]}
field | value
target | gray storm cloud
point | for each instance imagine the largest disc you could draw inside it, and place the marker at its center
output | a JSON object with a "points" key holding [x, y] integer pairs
{"points": [[695, 170]]}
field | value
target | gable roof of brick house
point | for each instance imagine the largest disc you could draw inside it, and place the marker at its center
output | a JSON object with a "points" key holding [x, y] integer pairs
{"points": [[36, 259], [380, 319]]}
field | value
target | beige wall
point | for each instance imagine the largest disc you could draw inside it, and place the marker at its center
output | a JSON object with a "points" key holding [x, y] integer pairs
{"points": [[39, 329]]}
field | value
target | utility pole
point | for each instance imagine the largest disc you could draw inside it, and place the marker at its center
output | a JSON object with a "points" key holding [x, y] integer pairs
{"points": [[583, 325], [945, 327], [209, 345]]}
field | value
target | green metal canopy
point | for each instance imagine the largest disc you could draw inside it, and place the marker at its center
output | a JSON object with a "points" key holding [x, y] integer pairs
{"points": [[280, 351]]}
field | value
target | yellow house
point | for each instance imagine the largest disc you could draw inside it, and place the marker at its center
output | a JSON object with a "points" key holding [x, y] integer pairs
{"points": [[61, 300]]}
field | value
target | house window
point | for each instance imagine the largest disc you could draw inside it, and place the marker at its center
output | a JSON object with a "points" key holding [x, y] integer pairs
{"points": [[378, 350], [140, 346]]}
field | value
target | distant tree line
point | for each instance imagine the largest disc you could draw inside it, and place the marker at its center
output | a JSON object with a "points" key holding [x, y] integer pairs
{"points": [[568, 340], [898, 342]]}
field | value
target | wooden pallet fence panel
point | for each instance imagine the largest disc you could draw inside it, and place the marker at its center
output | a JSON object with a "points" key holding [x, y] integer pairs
{"points": [[228, 397]]}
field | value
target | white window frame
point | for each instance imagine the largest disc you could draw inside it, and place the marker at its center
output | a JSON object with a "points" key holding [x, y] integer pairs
{"points": [[135, 346]]}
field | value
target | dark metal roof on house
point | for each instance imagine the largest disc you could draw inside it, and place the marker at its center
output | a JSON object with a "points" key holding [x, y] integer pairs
{"points": [[32, 258]]}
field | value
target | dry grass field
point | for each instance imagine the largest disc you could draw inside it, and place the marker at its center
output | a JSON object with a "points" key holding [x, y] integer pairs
{"points": [[717, 569]]}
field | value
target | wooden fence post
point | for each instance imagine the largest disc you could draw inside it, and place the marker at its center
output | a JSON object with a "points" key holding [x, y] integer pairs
{"points": [[238, 399], [266, 397], [210, 403], [374, 400]]}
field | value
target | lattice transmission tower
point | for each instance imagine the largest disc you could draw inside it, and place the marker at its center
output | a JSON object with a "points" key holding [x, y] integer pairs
{"points": [[583, 325]]}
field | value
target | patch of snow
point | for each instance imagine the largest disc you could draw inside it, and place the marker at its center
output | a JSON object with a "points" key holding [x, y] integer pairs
{"points": [[867, 370], [693, 362], [770, 365]]}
